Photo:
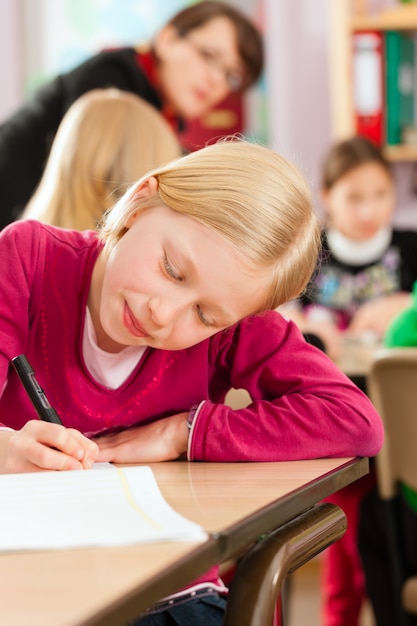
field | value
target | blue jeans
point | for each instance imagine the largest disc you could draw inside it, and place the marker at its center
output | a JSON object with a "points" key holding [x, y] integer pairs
{"points": [[193, 612]]}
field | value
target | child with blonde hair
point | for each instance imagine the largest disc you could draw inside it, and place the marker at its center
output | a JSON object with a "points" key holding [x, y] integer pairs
{"points": [[137, 333], [106, 141]]}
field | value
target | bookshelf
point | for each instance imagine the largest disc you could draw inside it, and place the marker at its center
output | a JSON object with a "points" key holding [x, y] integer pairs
{"points": [[349, 18]]}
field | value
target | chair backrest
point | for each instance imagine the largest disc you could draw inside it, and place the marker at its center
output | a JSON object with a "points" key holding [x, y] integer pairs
{"points": [[392, 387]]}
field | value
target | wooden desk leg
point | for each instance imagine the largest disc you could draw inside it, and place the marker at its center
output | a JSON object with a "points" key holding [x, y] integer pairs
{"points": [[259, 578]]}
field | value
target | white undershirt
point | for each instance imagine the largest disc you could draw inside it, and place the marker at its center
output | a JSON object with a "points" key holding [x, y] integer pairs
{"points": [[354, 252], [111, 369]]}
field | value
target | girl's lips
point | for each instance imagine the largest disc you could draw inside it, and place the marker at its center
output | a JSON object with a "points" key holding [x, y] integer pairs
{"points": [[132, 324]]}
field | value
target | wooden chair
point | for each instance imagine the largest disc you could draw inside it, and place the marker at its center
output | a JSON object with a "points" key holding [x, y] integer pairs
{"points": [[392, 387]]}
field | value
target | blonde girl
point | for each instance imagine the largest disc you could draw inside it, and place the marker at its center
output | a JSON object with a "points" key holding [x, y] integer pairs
{"points": [[106, 141], [138, 333]]}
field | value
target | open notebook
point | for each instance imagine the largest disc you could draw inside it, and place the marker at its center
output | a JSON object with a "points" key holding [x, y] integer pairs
{"points": [[105, 506]]}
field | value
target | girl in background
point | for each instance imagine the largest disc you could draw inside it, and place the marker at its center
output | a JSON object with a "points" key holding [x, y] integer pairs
{"points": [[363, 280], [107, 140], [160, 314], [367, 267]]}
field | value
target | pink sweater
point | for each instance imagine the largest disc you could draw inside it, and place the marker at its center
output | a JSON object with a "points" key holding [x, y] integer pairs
{"points": [[303, 406]]}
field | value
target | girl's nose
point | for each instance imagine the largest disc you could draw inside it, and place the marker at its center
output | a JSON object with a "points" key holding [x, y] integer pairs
{"points": [[164, 311], [367, 211]]}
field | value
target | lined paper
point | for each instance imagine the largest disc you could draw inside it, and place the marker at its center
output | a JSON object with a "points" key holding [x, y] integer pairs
{"points": [[106, 506]]}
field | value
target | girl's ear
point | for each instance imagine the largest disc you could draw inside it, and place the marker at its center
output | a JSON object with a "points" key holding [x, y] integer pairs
{"points": [[144, 190]]}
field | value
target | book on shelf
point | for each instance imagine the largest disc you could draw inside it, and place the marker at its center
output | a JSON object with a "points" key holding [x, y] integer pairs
{"points": [[400, 81], [368, 85]]}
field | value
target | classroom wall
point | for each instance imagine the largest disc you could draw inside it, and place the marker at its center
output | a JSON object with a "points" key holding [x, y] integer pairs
{"points": [[298, 81], [293, 99]]}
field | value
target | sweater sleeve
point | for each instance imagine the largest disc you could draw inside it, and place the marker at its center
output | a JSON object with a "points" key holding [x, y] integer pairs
{"points": [[303, 406], [19, 251]]}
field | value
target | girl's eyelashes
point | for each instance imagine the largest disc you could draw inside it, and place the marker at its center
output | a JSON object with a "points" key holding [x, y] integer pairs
{"points": [[172, 273], [202, 317], [170, 270]]}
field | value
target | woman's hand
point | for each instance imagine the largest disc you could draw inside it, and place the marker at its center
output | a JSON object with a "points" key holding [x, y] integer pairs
{"points": [[44, 446], [162, 440]]}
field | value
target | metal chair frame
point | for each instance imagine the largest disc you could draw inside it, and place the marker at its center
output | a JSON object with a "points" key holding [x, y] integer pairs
{"points": [[259, 579]]}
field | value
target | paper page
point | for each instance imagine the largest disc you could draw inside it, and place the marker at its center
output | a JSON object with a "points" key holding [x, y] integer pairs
{"points": [[86, 508]]}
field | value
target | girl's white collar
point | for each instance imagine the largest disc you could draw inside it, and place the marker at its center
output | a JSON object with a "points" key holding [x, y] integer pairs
{"points": [[354, 252]]}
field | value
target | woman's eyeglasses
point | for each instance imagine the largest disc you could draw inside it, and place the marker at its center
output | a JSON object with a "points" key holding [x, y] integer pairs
{"points": [[233, 78]]}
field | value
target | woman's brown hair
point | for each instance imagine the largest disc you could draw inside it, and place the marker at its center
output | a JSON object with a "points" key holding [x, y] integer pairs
{"points": [[249, 39]]}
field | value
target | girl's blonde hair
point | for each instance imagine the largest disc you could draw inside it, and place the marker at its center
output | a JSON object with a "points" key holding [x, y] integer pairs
{"points": [[105, 142], [250, 195]]}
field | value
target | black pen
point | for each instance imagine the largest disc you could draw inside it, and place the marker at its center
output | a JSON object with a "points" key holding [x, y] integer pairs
{"points": [[34, 390]]}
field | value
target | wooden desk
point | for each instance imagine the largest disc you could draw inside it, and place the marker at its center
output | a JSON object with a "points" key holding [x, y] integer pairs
{"points": [[236, 503]]}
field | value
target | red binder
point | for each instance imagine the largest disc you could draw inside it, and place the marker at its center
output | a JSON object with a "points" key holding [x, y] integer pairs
{"points": [[368, 84]]}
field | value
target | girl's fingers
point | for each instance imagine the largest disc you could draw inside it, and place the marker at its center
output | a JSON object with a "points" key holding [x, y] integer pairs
{"points": [[54, 447], [45, 457], [90, 448]]}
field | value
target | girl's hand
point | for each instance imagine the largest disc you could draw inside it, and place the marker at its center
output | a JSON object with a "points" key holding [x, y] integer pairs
{"points": [[163, 440], [44, 446], [376, 315]]}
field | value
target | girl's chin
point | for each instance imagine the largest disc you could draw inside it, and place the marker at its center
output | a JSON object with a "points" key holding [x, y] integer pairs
{"points": [[108, 344], [368, 236], [362, 237], [194, 108]]}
